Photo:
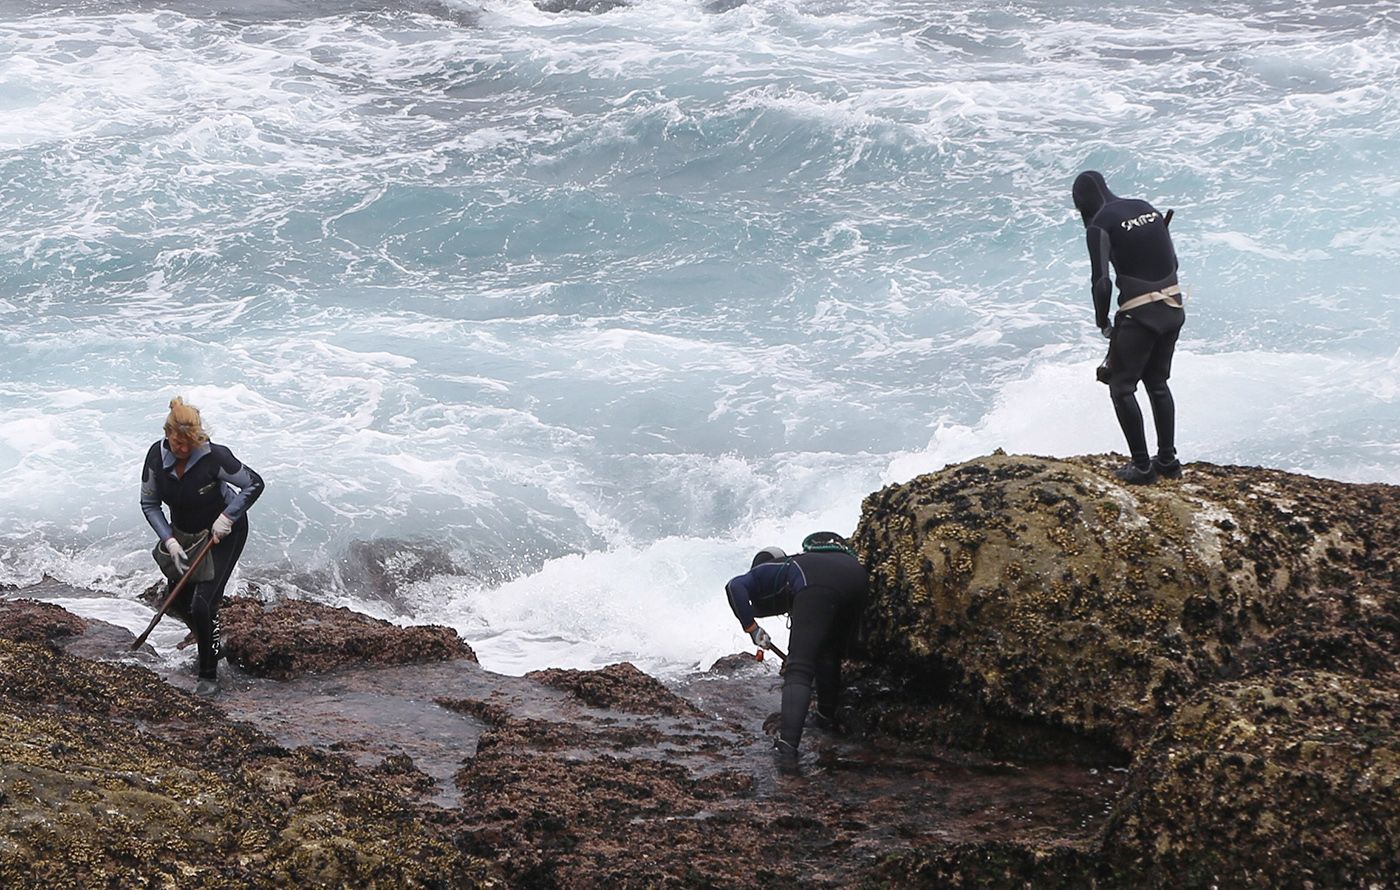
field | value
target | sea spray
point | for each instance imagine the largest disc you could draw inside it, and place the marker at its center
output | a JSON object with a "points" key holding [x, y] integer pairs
{"points": [[596, 305]]}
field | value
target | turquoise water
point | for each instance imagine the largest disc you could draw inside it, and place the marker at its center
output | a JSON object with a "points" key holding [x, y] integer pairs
{"points": [[594, 305]]}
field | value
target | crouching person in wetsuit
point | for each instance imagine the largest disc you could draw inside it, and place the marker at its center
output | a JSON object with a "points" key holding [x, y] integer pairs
{"points": [[1132, 237], [208, 491], [824, 589]]}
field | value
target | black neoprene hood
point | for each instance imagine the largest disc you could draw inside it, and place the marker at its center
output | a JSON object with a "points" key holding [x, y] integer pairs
{"points": [[1090, 194]]}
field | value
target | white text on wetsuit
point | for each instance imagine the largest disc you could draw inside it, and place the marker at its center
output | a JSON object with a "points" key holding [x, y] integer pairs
{"points": [[1130, 224]]}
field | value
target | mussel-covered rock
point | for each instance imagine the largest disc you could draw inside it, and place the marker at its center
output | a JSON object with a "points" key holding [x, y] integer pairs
{"points": [[1044, 589], [1275, 781]]}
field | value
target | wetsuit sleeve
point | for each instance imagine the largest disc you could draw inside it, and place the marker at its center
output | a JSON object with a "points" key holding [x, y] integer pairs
{"points": [[1167, 224], [242, 477], [1100, 250], [150, 498], [740, 593]]}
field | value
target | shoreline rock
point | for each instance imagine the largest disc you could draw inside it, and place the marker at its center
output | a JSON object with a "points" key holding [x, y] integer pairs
{"points": [[1061, 682], [296, 637], [1043, 589], [110, 777], [1274, 780], [618, 686], [592, 778], [1040, 594]]}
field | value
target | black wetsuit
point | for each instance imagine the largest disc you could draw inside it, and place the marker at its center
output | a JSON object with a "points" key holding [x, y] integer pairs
{"points": [[214, 482], [826, 593], [1132, 237]]}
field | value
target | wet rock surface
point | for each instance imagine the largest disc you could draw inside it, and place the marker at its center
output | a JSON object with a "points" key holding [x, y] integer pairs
{"points": [[592, 7], [382, 568], [1271, 781], [1037, 605], [619, 686], [110, 777], [574, 778], [290, 638], [30, 621], [575, 795], [1063, 683]]}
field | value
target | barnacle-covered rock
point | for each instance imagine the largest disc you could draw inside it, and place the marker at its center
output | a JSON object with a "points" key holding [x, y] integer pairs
{"points": [[30, 621], [1044, 589], [1233, 635], [1269, 782]]}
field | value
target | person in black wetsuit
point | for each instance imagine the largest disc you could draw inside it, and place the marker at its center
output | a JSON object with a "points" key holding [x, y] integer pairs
{"points": [[825, 592], [1132, 237], [206, 487]]}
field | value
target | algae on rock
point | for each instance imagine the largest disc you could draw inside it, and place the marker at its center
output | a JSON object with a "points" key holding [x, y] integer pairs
{"points": [[1044, 589]]}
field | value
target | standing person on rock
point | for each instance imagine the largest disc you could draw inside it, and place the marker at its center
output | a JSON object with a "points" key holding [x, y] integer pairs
{"points": [[208, 491], [824, 588], [1131, 236]]}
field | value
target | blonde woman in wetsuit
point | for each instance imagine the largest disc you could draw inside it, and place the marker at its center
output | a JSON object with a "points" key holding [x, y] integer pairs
{"points": [[206, 488]]}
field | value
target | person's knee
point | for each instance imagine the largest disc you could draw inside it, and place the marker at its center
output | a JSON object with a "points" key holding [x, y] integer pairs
{"points": [[202, 607], [1121, 389], [799, 672], [1156, 386]]}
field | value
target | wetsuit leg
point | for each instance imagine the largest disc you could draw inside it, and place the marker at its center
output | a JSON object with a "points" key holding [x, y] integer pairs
{"points": [[828, 678], [204, 606], [823, 618], [814, 612], [1132, 347], [180, 608], [1159, 396]]}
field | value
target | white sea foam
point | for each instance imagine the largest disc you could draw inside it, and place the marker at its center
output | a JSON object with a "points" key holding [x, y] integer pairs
{"points": [[1242, 242], [660, 606]]}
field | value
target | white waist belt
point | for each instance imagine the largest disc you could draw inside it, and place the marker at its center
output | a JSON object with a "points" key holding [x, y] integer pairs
{"points": [[1168, 295]]}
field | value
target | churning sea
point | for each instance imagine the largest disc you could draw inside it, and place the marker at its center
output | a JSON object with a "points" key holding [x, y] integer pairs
{"points": [[557, 316]]}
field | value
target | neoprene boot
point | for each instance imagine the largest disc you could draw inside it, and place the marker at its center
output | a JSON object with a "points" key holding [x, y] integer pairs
{"points": [[1133, 474], [786, 756], [1167, 469]]}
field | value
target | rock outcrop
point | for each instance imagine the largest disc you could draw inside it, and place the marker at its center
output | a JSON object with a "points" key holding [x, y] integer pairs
{"points": [[30, 621], [593, 7], [1233, 635], [295, 637], [1044, 589], [1273, 781], [111, 778], [619, 686], [1065, 683]]}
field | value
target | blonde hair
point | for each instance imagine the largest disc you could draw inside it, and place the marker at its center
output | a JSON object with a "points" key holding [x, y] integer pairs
{"points": [[184, 421]]}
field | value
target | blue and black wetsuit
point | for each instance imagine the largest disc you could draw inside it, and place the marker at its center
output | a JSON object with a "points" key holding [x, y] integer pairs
{"points": [[825, 593], [1132, 237], [214, 482]]}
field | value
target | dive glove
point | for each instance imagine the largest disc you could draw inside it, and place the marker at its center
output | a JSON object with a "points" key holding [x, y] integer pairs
{"points": [[178, 554], [221, 527], [760, 637], [1107, 331]]}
